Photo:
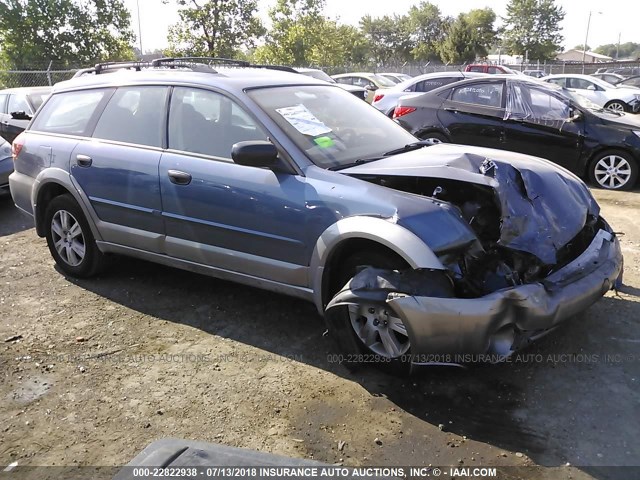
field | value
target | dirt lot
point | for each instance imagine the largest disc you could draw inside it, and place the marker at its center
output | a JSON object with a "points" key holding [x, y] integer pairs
{"points": [[105, 366]]}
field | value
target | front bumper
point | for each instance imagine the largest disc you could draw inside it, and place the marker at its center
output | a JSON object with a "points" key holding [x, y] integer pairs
{"points": [[441, 329]]}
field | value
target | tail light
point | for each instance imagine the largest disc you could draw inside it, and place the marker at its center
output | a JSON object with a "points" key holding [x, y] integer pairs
{"points": [[378, 97], [16, 146], [400, 111]]}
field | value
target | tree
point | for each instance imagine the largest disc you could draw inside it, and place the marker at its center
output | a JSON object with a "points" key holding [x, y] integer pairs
{"points": [[581, 46], [459, 45], [532, 28], [214, 28], [387, 37], [66, 32], [624, 50], [425, 27], [297, 28], [484, 35]]}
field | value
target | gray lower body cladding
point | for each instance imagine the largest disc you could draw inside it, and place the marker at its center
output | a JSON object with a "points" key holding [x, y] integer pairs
{"points": [[498, 323]]}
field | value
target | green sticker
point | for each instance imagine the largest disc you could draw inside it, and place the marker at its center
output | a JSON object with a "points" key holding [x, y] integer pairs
{"points": [[323, 142]]}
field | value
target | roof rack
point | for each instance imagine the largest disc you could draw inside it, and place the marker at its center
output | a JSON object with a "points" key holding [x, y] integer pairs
{"points": [[196, 64]]}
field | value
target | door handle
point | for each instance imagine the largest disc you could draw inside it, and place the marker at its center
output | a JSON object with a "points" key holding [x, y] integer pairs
{"points": [[449, 109], [84, 160], [178, 177]]}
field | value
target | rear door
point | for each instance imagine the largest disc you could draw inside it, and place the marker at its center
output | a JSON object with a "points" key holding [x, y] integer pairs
{"points": [[473, 113], [234, 217], [118, 168], [540, 124]]}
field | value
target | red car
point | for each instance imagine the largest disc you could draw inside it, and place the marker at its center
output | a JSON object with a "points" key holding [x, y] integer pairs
{"points": [[488, 68]]}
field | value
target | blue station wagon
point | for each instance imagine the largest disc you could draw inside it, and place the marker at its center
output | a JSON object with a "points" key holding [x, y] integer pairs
{"points": [[286, 183]]}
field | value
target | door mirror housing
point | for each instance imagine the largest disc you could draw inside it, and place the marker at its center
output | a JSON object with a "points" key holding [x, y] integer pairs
{"points": [[592, 87], [20, 115], [370, 88], [576, 115], [255, 153]]}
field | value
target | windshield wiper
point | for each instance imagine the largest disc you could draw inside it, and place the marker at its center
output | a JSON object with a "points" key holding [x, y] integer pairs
{"points": [[359, 161], [409, 147]]}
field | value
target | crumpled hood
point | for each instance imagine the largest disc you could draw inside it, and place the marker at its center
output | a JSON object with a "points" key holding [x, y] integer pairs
{"points": [[543, 206], [630, 120]]}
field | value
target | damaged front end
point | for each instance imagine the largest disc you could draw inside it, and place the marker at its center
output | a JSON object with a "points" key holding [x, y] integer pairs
{"points": [[542, 254]]}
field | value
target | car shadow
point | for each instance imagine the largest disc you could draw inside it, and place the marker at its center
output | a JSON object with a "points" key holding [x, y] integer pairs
{"points": [[11, 219], [548, 403]]}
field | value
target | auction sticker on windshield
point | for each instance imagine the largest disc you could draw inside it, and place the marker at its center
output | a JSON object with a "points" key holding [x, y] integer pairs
{"points": [[303, 120]]}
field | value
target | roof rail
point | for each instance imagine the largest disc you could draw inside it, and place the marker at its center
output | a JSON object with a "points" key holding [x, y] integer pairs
{"points": [[182, 61], [106, 66], [198, 64]]}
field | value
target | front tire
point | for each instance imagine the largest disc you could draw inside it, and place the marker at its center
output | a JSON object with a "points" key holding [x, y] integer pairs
{"points": [[614, 170], [369, 333], [617, 106], [70, 240]]}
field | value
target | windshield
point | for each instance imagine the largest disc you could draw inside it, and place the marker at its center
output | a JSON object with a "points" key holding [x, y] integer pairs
{"points": [[584, 102], [332, 126], [37, 99], [383, 81], [319, 74]]}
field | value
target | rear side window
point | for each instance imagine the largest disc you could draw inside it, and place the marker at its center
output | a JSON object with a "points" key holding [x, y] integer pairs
{"points": [[477, 68], [487, 94], [428, 85], [69, 112], [3, 102], [134, 115], [18, 103]]}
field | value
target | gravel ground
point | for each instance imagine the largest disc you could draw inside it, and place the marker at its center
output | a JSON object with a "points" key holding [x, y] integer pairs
{"points": [[91, 371]]}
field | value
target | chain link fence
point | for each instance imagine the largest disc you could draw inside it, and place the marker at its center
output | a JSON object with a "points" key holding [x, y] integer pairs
{"points": [[35, 78]]}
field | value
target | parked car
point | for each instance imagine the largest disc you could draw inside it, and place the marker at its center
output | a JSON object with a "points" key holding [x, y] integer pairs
{"points": [[396, 77], [612, 78], [6, 165], [535, 73], [369, 81], [525, 115], [359, 92], [625, 71], [630, 82], [17, 106], [293, 185], [489, 68], [601, 93], [385, 99]]}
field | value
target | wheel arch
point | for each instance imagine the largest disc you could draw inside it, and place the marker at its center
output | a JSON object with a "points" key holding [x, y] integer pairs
{"points": [[352, 234], [440, 131], [52, 183]]}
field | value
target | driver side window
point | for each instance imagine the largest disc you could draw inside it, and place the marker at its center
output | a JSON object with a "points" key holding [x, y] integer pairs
{"points": [[208, 123]]}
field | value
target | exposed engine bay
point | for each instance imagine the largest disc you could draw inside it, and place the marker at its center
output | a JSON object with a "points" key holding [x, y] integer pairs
{"points": [[523, 233]]}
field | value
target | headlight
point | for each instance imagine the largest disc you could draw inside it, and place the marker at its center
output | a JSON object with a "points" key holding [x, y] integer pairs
{"points": [[637, 132]]}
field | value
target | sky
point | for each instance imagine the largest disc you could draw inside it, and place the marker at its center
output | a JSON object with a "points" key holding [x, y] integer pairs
{"points": [[608, 19]]}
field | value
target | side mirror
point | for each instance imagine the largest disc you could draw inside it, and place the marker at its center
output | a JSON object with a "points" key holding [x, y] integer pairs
{"points": [[254, 153], [370, 88], [576, 115], [20, 115], [591, 87]]}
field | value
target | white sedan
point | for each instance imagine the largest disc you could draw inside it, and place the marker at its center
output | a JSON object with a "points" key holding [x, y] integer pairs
{"points": [[385, 99], [604, 94]]}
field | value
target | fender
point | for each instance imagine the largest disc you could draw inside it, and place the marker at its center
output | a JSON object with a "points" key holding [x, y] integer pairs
{"points": [[380, 230], [62, 178]]}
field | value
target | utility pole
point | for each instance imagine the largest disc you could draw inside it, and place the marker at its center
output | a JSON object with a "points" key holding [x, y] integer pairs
{"points": [[139, 29], [618, 45]]}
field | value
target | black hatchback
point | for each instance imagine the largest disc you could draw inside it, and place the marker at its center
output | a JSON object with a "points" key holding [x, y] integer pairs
{"points": [[528, 116]]}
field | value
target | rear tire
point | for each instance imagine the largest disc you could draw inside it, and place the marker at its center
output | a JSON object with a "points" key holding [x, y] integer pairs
{"points": [[613, 170], [435, 137], [70, 240]]}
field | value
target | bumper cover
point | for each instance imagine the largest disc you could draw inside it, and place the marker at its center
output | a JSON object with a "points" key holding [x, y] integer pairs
{"points": [[503, 321]]}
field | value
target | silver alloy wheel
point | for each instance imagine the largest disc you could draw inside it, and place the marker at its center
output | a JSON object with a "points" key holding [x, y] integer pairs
{"points": [[616, 107], [381, 332], [612, 172], [68, 238]]}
